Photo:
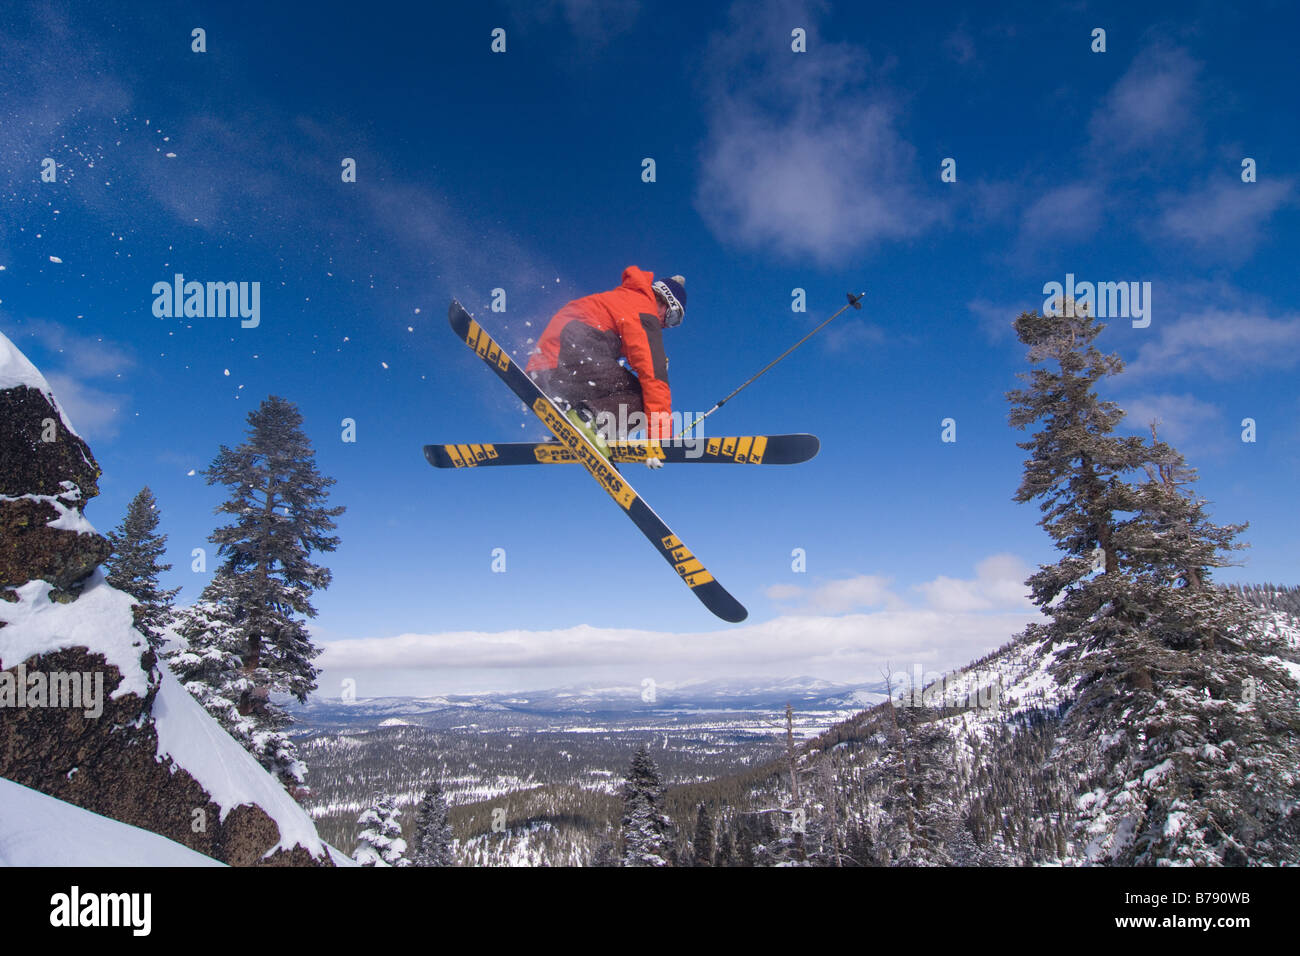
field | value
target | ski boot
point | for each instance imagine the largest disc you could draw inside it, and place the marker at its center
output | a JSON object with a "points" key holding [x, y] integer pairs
{"points": [[584, 420]]}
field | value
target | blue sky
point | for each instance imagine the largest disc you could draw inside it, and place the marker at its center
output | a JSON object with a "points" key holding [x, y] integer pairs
{"points": [[775, 170]]}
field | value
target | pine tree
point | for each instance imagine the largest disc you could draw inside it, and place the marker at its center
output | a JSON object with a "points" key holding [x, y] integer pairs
{"points": [[1181, 699], [726, 850], [605, 854], [1076, 469], [702, 846], [433, 836], [645, 828], [380, 842], [277, 500], [133, 566], [1174, 545], [250, 608]]}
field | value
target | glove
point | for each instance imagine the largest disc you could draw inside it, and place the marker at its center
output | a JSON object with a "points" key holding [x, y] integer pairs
{"points": [[655, 463]]}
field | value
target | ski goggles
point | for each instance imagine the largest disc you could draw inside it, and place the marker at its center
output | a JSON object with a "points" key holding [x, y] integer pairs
{"points": [[676, 311]]}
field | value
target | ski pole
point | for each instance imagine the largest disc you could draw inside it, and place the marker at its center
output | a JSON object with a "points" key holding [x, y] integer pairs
{"points": [[854, 300]]}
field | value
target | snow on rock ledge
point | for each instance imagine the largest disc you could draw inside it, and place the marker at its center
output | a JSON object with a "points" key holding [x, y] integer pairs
{"points": [[195, 742], [100, 620]]}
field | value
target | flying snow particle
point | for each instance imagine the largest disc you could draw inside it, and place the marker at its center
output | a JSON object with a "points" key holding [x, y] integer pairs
{"points": [[56, 259], [190, 472], [409, 329], [171, 155], [384, 364], [227, 371]]}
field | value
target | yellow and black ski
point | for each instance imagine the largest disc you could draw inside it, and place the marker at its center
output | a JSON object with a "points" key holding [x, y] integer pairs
{"points": [[705, 587], [731, 450]]}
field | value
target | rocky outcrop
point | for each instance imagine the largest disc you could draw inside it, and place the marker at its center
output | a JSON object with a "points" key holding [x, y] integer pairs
{"points": [[47, 474], [109, 764], [87, 713]]}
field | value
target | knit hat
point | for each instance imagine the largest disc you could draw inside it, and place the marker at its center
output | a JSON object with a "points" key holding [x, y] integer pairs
{"points": [[673, 291]]}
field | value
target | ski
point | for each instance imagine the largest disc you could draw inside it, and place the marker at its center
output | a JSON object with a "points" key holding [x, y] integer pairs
{"points": [[704, 586], [739, 449]]}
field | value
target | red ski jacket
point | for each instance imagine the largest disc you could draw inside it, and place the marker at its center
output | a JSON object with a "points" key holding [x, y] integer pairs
{"points": [[632, 313]]}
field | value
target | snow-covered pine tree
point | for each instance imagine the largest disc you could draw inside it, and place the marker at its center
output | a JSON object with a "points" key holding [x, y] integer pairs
{"points": [[1173, 545], [702, 845], [605, 854], [133, 566], [209, 663], [433, 836], [1181, 736], [380, 841], [645, 828]]}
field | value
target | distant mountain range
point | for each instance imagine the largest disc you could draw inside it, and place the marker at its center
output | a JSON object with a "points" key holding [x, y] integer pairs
{"points": [[705, 696]]}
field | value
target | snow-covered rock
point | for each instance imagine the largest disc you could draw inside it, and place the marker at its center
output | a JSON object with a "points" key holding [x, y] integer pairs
{"points": [[47, 474], [87, 713]]}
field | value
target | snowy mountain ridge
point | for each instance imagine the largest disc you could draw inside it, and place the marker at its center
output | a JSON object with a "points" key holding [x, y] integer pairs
{"points": [[701, 696]]}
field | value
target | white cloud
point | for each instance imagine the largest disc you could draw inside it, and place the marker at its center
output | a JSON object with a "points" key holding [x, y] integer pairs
{"points": [[964, 620], [1149, 104], [837, 597], [1225, 216], [784, 592], [999, 583], [1071, 211], [803, 156], [1180, 418], [852, 647], [1220, 343]]}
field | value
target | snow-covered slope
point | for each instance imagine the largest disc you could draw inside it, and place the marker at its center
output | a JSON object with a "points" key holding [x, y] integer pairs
{"points": [[196, 742], [36, 830]]}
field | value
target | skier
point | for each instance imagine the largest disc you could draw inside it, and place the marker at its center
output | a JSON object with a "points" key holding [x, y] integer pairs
{"points": [[577, 357]]}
